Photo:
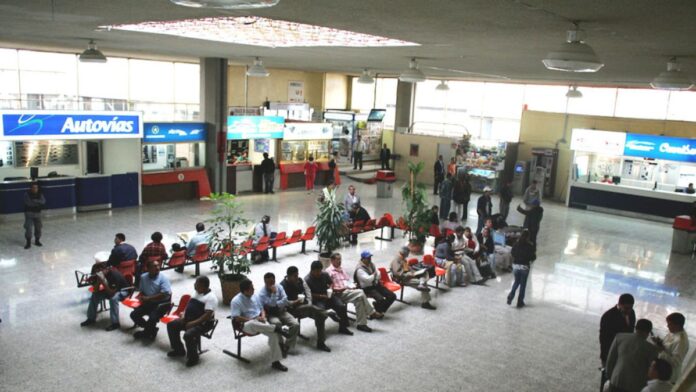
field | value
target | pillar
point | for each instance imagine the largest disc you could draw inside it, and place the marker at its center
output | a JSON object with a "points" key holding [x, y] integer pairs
{"points": [[213, 111], [405, 103]]}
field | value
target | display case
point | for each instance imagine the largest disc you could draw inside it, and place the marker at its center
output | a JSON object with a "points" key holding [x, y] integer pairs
{"points": [[301, 150], [343, 126]]}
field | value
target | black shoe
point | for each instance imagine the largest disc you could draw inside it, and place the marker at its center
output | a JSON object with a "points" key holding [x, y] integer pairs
{"points": [[493, 276], [192, 362], [509, 300], [174, 354], [520, 304], [153, 335], [364, 328], [87, 322], [279, 366], [345, 331], [112, 327], [139, 335], [427, 305], [333, 316], [323, 347], [38, 243], [28, 245]]}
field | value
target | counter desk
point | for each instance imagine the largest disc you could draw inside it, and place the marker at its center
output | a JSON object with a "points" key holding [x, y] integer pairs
{"points": [[175, 184], [630, 201], [58, 191]]}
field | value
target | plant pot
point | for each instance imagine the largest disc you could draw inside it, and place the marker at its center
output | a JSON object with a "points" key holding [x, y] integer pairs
{"points": [[415, 247], [230, 287], [325, 259]]}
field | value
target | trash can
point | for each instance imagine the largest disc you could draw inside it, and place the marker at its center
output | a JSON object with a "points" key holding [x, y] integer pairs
{"points": [[683, 235], [385, 184]]}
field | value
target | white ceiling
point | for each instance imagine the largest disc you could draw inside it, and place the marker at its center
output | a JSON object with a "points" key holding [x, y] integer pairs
{"points": [[634, 38]]}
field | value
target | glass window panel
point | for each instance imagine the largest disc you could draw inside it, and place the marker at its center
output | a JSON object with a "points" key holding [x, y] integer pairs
{"points": [[8, 59], [186, 83], [595, 101], [151, 81], [642, 103], [362, 96], [107, 80], [9, 82], [681, 106], [503, 100], [546, 98], [386, 99], [48, 73]]}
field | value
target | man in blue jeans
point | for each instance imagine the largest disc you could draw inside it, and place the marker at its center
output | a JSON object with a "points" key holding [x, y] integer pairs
{"points": [[107, 283], [156, 292]]}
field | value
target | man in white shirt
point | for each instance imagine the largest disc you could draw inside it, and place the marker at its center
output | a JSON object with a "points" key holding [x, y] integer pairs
{"points": [[658, 377], [358, 149], [199, 238], [275, 303], [263, 229], [197, 320], [675, 345], [368, 278], [351, 198]]}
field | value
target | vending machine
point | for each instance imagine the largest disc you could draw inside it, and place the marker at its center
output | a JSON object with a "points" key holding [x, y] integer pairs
{"points": [[543, 169]]}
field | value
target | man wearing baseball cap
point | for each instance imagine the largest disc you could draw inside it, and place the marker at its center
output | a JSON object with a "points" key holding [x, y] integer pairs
{"points": [[368, 279], [407, 275]]}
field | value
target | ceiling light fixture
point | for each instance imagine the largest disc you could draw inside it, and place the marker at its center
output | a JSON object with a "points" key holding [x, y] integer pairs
{"points": [[227, 4], [92, 54], [573, 92], [365, 78], [673, 78], [257, 70], [574, 55], [412, 74], [442, 86]]}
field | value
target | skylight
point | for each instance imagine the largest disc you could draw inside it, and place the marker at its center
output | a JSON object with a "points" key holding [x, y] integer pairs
{"points": [[252, 30]]}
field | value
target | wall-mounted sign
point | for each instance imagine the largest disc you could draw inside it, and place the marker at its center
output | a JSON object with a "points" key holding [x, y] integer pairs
{"points": [[172, 132], [295, 91], [51, 125], [308, 131], [255, 127], [660, 147], [602, 142]]}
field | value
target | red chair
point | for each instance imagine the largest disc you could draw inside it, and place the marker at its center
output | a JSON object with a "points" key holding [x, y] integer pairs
{"points": [[381, 224], [439, 271], [278, 242], [132, 302], [308, 236], [392, 286], [370, 225], [296, 237], [435, 231], [178, 259], [176, 314], [201, 255], [239, 334], [246, 247], [127, 268]]}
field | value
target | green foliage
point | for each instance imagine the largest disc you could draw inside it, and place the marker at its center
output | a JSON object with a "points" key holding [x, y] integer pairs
{"points": [[330, 227], [415, 199], [226, 217]]}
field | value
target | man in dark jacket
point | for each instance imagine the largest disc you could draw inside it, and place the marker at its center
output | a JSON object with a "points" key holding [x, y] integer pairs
{"points": [[532, 219], [505, 199], [34, 202], [358, 213], [268, 171], [439, 170], [484, 208], [121, 251], [618, 319], [385, 156], [446, 196]]}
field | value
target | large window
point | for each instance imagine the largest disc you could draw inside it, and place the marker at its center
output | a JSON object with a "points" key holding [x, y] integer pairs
{"points": [[380, 95], [163, 90]]}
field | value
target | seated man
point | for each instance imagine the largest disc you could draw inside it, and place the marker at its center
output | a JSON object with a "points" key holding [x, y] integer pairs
{"points": [[263, 229], [659, 375], [358, 213], [344, 291], [197, 320], [153, 249], [319, 283], [407, 275], [466, 247], [299, 305], [368, 279], [275, 303], [248, 312], [156, 292], [444, 256], [109, 284], [201, 237], [121, 251], [502, 253]]}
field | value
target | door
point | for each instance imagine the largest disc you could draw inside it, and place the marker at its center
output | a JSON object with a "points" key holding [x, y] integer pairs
{"points": [[93, 157]]}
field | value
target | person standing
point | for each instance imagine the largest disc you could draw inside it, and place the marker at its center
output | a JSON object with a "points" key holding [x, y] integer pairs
{"points": [[331, 178], [34, 202], [439, 171], [459, 196], [268, 172], [629, 359], [385, 156], [619, 319], [484, 208], [358, 150], [452, 167], [445, 196], [532, 219], [466, 197], [532, 193], [505, 199], [310, 172], [675, 345], [523, 254]]}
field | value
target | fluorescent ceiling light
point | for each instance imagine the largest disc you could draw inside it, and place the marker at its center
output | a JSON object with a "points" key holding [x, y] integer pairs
{"points": [[252, 30], [227, 4], [92, 54], [573, 92], [573, 56], [673, 78], [412, 74], [442, 86], [257, 70], [365, 78]]}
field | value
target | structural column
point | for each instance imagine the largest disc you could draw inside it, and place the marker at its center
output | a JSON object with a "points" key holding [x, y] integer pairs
{"points": [[213, 111], [405, 102]]}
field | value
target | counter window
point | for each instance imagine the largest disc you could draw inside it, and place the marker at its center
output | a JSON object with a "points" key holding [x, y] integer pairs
{"points": [[43, 153], [301, 150], [174, 155], [238, 152]]}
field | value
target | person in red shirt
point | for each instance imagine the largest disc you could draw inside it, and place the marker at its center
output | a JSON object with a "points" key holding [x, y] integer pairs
{"points": [[153, 249], [310, 172]]}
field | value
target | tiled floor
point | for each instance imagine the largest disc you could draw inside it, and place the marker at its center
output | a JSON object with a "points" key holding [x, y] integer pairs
{"points": [[473, 342]]}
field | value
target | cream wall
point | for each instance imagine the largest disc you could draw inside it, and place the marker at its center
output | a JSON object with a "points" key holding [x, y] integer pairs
{"points": [[274, 87], [427, 152], [336, 91], [542, 129]]}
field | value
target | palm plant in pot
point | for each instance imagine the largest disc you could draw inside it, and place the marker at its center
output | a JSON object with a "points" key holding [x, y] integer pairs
{"points": [[232, 265], [417, 213], [330, 226]]}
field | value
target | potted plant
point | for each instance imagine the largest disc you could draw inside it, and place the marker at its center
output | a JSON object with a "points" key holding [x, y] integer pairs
{"points": [[232, 265], [330, 225], [417, 213]]}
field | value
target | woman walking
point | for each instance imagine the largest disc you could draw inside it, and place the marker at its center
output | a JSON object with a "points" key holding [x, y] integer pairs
{"points": [[523, 254], [310, 172]]}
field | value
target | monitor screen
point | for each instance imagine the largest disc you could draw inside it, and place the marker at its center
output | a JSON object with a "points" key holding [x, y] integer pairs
{"points": [[498, 238], [519, 168], [377, 115]]}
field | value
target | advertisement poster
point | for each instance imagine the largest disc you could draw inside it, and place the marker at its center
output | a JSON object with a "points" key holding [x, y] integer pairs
{"points": [[262, 145], [174, 132], [255, 127], [295, 91], [50, 125], [308, 131]]}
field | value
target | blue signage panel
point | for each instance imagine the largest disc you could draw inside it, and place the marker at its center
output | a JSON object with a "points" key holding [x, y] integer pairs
{"points": [[172, 132], [660, 147], [51, 125], [255, 127]]}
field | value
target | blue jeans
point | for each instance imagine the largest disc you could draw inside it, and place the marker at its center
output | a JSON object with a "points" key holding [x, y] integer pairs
{"points": [[521, 276], [481, 222], [113, 304]]}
